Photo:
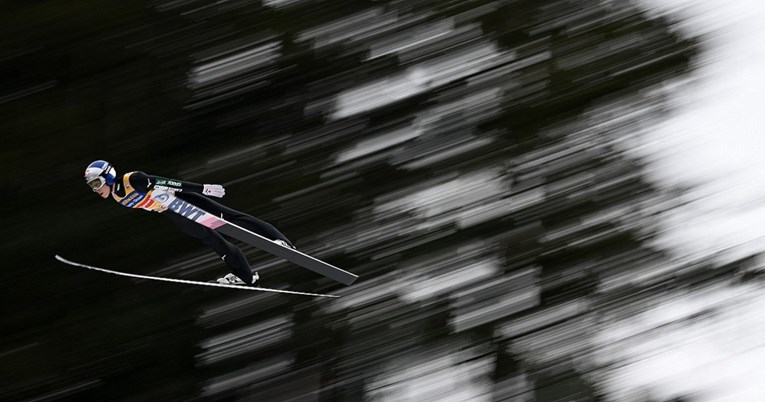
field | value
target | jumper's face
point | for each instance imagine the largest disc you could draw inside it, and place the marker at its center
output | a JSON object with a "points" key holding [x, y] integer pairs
{"points": [[98, 185], [104, 191]]}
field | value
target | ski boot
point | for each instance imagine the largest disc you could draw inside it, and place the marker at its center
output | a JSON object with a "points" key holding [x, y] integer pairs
{"points": [[283, 243], [231, 279]]}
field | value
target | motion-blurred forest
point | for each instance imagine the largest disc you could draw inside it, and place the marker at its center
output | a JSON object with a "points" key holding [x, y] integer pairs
{"points": [[463, 157]]}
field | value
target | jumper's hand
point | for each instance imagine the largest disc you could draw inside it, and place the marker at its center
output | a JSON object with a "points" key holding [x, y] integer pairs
{"points": [[213, 190]]}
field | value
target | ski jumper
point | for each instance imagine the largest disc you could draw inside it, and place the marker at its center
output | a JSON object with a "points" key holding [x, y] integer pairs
{"points": [[133, 190]]}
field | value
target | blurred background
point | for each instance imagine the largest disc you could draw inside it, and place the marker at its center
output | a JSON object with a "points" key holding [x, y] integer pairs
{"points": [[545, 200]]}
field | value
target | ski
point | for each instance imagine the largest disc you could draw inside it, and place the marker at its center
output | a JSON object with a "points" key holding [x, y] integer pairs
{"points": [[188, 282], [202, 217]]}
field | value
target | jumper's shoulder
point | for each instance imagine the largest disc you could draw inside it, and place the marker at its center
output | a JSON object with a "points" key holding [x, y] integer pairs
{"points": [[139, 180], [137, 174]]}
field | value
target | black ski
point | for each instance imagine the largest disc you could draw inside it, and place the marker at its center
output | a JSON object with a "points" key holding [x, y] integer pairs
{"points": [[202, 217]]}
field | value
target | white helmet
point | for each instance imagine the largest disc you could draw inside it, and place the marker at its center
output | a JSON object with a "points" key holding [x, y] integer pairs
{"points": [[99, 173]]}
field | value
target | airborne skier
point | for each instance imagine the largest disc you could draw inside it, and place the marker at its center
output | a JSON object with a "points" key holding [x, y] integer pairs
{"points": [[135, 190]]}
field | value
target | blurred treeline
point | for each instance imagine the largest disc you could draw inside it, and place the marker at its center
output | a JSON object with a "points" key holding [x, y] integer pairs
{"points": [[124, 81]]}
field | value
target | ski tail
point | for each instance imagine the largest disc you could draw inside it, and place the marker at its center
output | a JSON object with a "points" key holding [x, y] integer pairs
{"points": [[189, 282]]}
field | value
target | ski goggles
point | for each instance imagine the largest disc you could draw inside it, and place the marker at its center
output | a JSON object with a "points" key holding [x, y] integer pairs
{"points": [[96, 183]]}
